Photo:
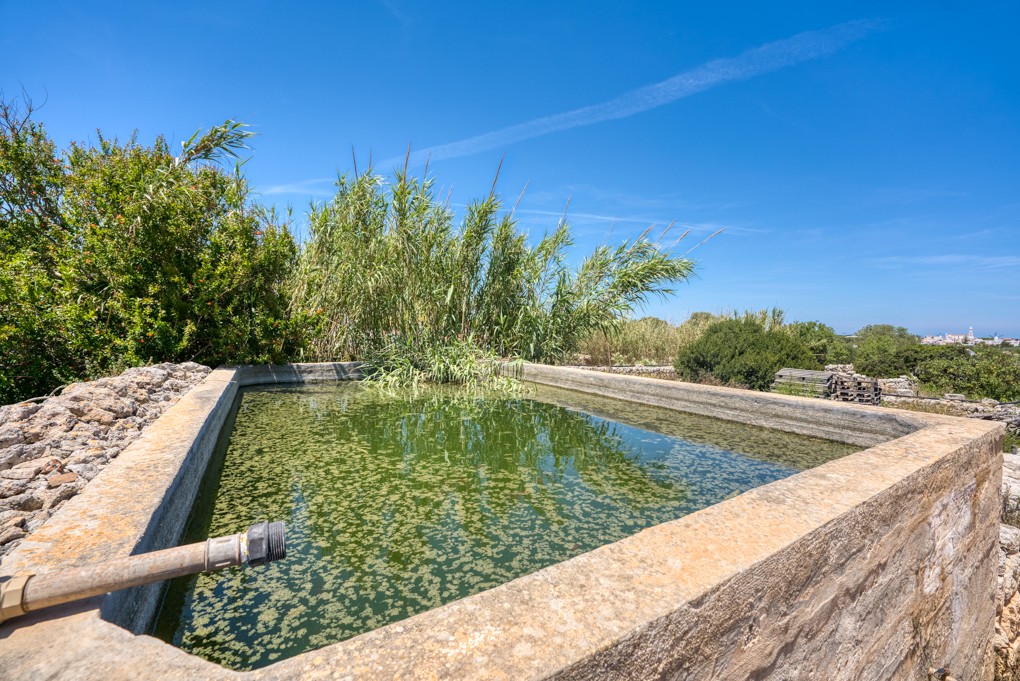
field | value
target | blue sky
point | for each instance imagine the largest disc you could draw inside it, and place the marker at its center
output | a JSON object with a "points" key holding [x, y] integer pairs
{"points": [[864, 158]]}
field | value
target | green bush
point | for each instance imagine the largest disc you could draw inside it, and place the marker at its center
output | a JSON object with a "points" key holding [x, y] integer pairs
{"points": [[650, 340], [990, 372], [172, 260], [907, 359], [742, 352], [34, 353], [884, 351], [120, 254]]}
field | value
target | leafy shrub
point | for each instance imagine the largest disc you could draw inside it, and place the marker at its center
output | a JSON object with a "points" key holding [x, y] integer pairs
{"points": [[990, 372], [650, 340], [120, 254], [171, 260], [34, 355], [742, 352], [907, 359], [884, 351]]}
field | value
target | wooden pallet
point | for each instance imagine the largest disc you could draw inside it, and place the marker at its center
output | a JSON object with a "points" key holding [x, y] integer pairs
{"points": [[803, 382], [857, 389], [827, 384]]}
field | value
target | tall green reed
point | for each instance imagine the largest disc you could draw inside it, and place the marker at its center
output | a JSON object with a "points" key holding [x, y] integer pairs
{"points": [[388, 275]]}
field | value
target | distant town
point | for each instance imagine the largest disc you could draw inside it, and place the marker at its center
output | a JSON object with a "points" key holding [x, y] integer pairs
{"points": [[968, 339]]}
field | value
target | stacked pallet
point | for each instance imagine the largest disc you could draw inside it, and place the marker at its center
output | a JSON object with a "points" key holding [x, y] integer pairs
{"points": [[843, 386], [803, 382], [855, 388]]}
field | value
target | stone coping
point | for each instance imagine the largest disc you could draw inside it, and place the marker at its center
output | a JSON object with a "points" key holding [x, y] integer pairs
{"points": [[785, 576], [840, 421]]}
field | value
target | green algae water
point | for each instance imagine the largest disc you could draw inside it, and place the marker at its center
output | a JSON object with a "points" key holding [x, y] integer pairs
{"points": [[396, 503]]}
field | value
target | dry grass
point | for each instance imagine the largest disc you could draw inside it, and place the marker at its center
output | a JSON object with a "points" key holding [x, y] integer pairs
{"points": [[647, 340]]}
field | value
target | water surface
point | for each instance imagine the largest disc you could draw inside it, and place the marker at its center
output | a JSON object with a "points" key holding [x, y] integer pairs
{"points": [[396, 503]]}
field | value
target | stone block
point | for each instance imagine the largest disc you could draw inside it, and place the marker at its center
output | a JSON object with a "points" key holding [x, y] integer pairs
{"points": [[61, 479], [10, 488], [9, 534], [19, 473]]}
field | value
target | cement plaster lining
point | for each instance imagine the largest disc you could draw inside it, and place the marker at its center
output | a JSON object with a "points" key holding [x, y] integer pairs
{"points": [[767, 583]]}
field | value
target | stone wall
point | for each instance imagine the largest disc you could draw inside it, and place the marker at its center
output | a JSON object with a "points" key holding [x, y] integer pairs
{"points": [[1007, 624], [898, 387], [986, 409], [50, 450]]}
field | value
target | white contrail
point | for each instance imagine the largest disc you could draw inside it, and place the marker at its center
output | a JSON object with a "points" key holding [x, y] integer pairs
{"points": [[769, 57]]}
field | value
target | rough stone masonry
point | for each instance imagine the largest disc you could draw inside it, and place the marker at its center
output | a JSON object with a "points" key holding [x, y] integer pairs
{"points": [[1007, 624], [50, 451]]}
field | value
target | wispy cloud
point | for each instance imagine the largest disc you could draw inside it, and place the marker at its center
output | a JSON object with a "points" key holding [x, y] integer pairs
{"points": [[319, 186], [953, 262], [644, 221], [883, 196], [971, 236], [593, 216], [394, 11], [764, 59]]}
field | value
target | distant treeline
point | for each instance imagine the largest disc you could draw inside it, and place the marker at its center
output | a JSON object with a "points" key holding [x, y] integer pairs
{"points": [[745, 350]]}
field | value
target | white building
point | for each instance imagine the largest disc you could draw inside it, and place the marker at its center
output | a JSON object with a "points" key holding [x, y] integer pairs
{"points": [[968, 339]]}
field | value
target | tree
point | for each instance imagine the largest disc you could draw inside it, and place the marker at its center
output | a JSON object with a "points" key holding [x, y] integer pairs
{"points": [[822, 341], [881, 350], [990, 372], [171, 260], [34, 353]]}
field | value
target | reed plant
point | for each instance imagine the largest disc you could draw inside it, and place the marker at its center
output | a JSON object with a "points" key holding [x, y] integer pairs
{"points": [[388, 274]]}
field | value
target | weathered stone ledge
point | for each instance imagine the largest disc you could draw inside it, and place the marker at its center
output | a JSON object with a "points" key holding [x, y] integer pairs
{"points": [[664, 372]]}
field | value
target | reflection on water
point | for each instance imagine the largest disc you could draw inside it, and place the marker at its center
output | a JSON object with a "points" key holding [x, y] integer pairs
{"points": [[398, 503]]}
